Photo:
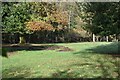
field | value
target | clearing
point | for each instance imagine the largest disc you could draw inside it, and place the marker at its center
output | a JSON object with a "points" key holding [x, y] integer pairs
{"points": [[62, 60]]}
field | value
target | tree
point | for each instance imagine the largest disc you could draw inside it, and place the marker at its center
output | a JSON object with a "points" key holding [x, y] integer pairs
{"points": [[38, 26], [100, 18], [13, 17], [16, 14]]}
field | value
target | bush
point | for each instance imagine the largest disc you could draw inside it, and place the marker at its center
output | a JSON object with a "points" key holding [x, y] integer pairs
{"points": [[72, 36]]}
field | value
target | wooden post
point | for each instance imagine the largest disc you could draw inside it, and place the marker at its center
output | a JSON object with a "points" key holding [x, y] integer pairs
{"points": [[107, 38], [93, 37], [69, 18], [22, 39]]}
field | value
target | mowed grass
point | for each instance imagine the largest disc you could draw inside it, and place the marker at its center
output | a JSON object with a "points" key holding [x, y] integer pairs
{"points": [[87, 60]]}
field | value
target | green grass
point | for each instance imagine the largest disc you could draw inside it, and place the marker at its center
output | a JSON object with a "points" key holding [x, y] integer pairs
{"points": [[88, 60]]}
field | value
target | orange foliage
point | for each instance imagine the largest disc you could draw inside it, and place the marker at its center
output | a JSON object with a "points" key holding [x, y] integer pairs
{"points": [[57, 16], [38, 25], [61, 17]]}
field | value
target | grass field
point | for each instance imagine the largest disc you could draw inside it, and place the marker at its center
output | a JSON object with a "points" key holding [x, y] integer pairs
{"points": [[83, 60]]}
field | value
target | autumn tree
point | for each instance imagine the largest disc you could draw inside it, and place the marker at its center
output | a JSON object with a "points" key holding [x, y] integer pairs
{"points": [[15, 15]]}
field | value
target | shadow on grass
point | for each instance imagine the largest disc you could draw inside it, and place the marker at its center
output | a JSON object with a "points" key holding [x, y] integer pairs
{"points": [[12, 48], [69, 73], [64, 74], [28, 47], [113, 50], [110, 49], [20, 72], [105, 69]]}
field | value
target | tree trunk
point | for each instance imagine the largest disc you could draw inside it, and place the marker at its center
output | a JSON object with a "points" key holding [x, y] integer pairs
{"points": [[29, 38], [13, 38], [93, 37], [107, 38], [63, 38], [56, 39], [21, 40], [116, 38], [47, 37], [97, 39]]}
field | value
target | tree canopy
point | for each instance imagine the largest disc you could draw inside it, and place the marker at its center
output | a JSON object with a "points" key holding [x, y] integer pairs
{"points": [[29, 17], [100, 18]]}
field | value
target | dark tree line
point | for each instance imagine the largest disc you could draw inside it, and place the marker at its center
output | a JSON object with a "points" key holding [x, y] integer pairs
{"points": [[101, 18], [59, 22]]}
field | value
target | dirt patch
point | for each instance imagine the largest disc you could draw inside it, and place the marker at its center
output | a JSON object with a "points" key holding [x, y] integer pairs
{"points": [[11, 53], [53, 47], [61, 48], [64, 49], [114, 55]]}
